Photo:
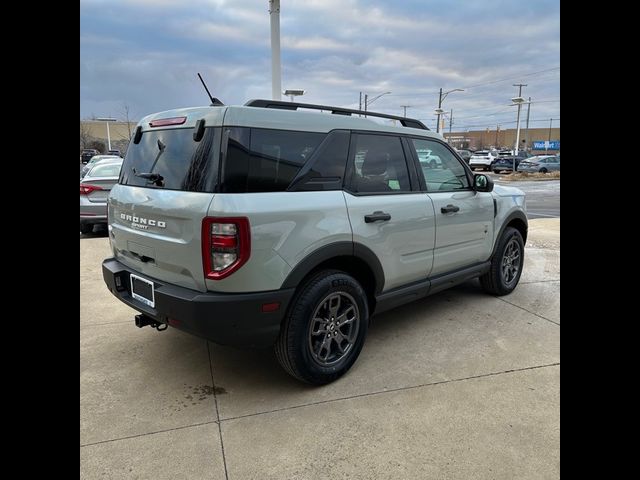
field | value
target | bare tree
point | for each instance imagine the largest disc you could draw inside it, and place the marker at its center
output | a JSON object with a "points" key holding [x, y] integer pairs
{"points": [[85, 136], [125, 108]]}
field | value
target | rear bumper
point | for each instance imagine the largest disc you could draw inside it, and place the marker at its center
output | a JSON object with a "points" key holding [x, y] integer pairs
{"points": [[224, 318]]}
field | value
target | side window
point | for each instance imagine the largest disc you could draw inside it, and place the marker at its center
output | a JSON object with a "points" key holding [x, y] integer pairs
{"points": [[378, 165], [264, 160], [441, 169]]}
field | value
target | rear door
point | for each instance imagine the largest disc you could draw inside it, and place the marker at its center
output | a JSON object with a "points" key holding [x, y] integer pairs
{"points": [[463, 217], [156, 210], [388, 213]]}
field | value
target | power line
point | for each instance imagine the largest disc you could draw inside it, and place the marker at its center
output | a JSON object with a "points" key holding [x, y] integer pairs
{"points": [[430, 92]]}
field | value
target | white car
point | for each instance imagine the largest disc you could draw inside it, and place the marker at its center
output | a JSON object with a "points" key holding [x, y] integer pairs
{"points": [[483, 159]]}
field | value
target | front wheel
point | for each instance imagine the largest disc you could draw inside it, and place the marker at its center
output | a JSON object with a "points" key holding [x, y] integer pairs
{"points": [[473, 169], [86, 228], [506, 264], [325, 328], [543, 170]]}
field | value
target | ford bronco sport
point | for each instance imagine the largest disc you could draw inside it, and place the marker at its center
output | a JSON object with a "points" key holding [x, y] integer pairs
{"points": [[270, 224]]}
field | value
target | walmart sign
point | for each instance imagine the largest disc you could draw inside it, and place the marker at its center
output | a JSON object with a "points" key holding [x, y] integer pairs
{"points": [[546, 145]]}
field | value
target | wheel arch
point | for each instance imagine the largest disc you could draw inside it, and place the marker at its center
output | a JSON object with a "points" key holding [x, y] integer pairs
{"points": [[517, 220], [355, 259]]}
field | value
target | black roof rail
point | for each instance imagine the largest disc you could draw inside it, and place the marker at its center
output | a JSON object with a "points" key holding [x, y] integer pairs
{"points": [[279, 104]]}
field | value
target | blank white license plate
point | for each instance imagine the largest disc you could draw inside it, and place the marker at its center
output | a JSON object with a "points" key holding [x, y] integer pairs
{"points": [[142, 290]]}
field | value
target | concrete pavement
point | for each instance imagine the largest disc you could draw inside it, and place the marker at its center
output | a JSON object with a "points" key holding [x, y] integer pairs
{"points": [[458, 385]]}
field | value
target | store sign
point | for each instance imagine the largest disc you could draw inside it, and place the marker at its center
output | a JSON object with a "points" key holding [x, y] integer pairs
{"points": [[546, 145]]}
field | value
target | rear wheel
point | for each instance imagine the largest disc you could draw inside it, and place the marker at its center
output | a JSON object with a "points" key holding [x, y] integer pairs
{"points": [[473, 169], [496, 171], [506, 264], [86, 228], [325, 328], [543, 170]]}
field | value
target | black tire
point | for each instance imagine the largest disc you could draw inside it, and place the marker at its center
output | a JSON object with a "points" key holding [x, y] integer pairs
{"points": [[496, 171], [86, 228], [543, 170], [295, 344], [493, 281], [473, 169]]}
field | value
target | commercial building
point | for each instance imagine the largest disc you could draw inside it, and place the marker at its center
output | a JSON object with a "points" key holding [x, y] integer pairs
{"points": [[504, 139]]}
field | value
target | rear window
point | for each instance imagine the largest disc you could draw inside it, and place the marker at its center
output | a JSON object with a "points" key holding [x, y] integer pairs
{"points": [[179, 162], [265, 160], [107, 170], [481, 154]]}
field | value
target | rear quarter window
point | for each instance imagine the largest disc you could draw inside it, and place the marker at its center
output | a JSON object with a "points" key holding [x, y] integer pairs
{"points": [[265, 160]]}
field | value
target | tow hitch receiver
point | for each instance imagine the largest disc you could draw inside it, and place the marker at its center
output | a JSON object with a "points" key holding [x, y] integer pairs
{"points": [[142, 321]]}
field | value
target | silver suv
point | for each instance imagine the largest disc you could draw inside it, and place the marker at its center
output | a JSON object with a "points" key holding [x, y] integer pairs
{"points": [[266, 224]]}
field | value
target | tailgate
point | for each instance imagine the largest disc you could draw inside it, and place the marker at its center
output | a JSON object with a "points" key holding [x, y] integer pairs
{"points": [[158, 233]]}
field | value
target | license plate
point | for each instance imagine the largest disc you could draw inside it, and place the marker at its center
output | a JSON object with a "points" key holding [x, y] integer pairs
{"points": [[142, 290]]}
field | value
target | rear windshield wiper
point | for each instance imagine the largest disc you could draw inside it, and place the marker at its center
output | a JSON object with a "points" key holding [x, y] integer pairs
{"points": [[152, 177]]}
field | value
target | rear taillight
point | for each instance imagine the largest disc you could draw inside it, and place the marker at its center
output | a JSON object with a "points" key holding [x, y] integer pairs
{"points": [[226, 245], [86, 189]]}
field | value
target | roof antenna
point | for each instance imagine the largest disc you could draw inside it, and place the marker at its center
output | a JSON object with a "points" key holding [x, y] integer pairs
{"points": [[214, 100]]}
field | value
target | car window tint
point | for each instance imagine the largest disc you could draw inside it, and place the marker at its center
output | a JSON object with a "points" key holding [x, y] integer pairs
{"points": [[442, 171], [379, 165], [265, 160]]}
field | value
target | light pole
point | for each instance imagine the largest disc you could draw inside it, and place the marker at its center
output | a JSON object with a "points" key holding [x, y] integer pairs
{"points": [[441, 98], [517, 101], [106, 119], [368, 102], [405, 109], [293, 93], [276, 83]]}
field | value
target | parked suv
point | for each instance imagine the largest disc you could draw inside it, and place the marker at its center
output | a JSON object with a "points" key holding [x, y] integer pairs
{"points": [[483, 159], [87, 154], [265, 224]]}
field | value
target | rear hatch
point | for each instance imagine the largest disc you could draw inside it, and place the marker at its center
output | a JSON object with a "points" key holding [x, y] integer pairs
{"points": [[156, 210]]}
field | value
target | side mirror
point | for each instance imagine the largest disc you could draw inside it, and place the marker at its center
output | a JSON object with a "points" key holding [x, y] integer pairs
{"points": [[482, 183]]}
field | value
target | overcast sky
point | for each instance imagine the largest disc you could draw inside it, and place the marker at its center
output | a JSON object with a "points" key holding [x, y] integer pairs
{"points": [[146, 53]]}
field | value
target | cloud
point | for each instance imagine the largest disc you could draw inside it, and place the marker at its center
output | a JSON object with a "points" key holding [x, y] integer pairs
{"points": [[147, 52]]}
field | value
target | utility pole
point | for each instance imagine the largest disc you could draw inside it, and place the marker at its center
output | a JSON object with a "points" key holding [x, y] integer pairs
{"points": [[276, 83], [360, 102], [519, 85], [497, 130], [366, 100], [526, 130], [439, 108], [550, 122], [405, 109], [450, 124]]}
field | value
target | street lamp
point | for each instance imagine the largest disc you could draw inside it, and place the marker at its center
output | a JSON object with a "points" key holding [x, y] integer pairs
{"points": [[367, 102], [293, 93], [106, 119], [439, 110]]}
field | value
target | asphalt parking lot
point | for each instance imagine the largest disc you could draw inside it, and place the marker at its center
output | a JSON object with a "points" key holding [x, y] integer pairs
{"points": [[458, 385]]}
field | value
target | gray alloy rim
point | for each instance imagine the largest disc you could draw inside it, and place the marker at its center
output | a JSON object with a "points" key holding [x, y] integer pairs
{"points": [[511, 262], [334, 328]]}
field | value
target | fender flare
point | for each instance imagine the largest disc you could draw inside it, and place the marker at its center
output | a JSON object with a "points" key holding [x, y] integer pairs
{"points": [[333, 250], [518, 214]]}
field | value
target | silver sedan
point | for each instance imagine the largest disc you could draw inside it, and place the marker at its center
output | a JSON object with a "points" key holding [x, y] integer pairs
{"points": [[540, 163], [94, 191]]}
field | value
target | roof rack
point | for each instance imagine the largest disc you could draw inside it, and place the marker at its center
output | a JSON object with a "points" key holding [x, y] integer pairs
{"points": [[279, 104]]}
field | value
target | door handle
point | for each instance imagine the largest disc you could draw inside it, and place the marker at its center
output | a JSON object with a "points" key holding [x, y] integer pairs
{"points": [[450, 209], [377, 216]]}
